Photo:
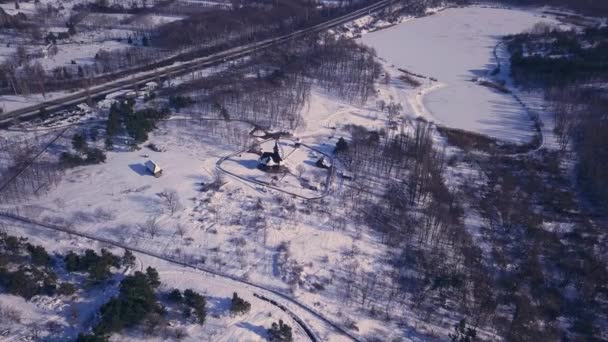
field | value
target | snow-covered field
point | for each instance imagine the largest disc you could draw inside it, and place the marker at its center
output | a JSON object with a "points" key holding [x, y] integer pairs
{"points": [[264, 236], [454, 46]]}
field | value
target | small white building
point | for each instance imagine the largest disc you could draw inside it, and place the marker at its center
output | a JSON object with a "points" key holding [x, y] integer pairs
{"points": [[154, 168]]}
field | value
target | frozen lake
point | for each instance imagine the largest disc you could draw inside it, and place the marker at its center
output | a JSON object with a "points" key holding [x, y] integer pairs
{"points": [[454, 46]]}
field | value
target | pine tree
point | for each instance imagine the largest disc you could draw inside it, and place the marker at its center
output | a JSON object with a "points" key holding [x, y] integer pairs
{"points": [[153, 277], [128, 259], [341, 145], [113, 124], [239, 305], [79, 143], [280, 332]]}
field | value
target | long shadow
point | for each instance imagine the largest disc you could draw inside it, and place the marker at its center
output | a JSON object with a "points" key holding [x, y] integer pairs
{"points": [[140, 169], [219, 305], [257, 329]]}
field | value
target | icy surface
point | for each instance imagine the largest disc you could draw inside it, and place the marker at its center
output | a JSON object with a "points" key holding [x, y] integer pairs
{"points": [[455, 46]]}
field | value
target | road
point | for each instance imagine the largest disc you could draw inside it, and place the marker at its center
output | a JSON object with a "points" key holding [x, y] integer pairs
{"points": [[178, 69]]}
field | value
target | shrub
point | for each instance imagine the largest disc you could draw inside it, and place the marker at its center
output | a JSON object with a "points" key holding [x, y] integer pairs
{"points": [[280, 332], [239, 305], [341, 145], [198, 303], [175, 296], [66, 289], [39, 255], [28, 282], [98, 266], [134, 303], [95, 156]]}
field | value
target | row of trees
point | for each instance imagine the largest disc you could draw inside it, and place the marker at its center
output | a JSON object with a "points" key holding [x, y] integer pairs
{"points": [[589, 7]]}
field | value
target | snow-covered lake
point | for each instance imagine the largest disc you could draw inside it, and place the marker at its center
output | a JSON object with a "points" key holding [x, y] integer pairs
{"points": [[454, 46]]}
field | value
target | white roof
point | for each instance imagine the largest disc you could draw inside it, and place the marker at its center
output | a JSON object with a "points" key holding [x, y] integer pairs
{"points": [[153, 167]]}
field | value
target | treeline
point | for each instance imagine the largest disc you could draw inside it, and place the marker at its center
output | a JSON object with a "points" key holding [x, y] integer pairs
{"points": [[200, 34], [123, 118], [534, 268], [588, 7], [478, 246], [550, 55], [571, 67], [28, 270], [271, 89]]}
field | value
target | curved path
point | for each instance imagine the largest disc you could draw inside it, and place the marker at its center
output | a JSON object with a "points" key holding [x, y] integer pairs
{"points": [[261, 290], [328, 181]]}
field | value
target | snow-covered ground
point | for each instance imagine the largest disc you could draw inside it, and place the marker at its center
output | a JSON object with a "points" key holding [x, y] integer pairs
{"points": [[454, 46], [271, 238]]}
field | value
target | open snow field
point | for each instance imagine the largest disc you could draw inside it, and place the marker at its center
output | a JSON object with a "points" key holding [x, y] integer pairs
{"points": [[455, 46]]}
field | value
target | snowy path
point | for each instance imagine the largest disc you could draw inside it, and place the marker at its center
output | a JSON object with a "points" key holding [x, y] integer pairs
{"points": [[291, 305]]}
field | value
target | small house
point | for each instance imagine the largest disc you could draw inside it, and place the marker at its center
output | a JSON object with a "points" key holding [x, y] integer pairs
{"points": [[154, 168]]}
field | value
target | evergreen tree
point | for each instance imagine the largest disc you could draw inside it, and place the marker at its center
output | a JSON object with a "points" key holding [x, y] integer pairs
{"points": [[113, 123], [341, 145], [280, 332], [136, 300], [239, 305], [95, 156], [175, 296], [128, 259], [198, 303], [92, 338], [79, 143], [153, 278], [39, 255]]}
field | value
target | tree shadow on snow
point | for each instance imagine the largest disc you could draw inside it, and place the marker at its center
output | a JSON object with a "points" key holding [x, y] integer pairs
{"points": [[218, 305], [257, 329]]}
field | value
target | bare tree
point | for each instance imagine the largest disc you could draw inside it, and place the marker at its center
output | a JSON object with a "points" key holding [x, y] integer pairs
{"points": [[180, 229], [171, 200], [300, 169], [151, 226]]}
